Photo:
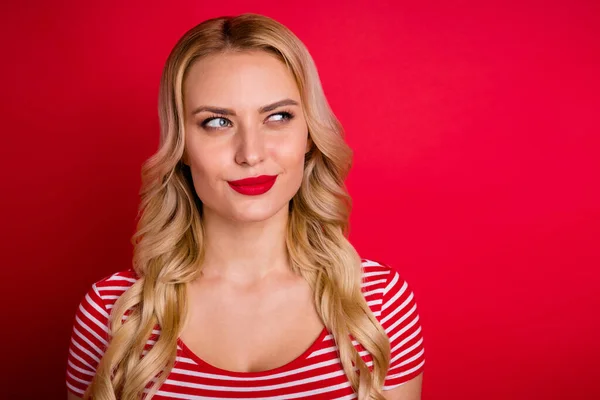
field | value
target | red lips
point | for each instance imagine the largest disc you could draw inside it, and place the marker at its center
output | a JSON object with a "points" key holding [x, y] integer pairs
{"points": [[253, 186], [256, 180]]}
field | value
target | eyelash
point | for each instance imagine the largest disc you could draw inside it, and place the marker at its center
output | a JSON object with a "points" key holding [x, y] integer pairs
{"points": [[288, 115]]}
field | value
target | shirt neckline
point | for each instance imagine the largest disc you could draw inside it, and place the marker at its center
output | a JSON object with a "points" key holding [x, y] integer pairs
{"points": [[211, 368]]}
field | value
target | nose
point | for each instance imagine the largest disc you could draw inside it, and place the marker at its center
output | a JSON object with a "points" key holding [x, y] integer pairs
{"points": [[250, 146]]}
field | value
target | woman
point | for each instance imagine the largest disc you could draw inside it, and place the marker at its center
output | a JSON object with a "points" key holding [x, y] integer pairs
{"points": [[244, 284]]}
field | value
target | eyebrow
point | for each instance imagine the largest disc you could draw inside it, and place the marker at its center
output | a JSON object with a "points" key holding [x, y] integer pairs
{"points": [[263, 109]]}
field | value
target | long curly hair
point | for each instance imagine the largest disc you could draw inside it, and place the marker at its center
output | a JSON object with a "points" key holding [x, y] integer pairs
{"points": [[169, 240]]}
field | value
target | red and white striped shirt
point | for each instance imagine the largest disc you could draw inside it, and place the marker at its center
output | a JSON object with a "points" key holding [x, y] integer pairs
{"points": [[316, 374]]}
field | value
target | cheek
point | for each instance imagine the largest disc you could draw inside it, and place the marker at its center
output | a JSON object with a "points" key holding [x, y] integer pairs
{"points": [[206, 173], [291, 158], [208, 157], [291, 153]]}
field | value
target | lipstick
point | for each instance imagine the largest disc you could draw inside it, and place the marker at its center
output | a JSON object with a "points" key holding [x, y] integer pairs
{"points": [[253, 186]]}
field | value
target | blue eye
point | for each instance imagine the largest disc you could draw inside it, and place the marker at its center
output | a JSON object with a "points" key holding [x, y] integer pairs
{"points": [[284, 114], [221, 122]]}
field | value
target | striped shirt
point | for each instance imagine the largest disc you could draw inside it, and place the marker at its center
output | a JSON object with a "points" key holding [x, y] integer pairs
{"points": [[316, 374]]}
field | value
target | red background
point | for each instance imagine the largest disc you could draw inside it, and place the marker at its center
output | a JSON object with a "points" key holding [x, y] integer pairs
{"points": [[475, 127]]}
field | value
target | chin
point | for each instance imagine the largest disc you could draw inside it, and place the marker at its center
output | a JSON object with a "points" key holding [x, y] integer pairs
{"points": [[256, 213]]}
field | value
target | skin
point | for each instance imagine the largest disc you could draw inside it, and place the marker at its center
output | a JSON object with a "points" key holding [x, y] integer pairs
{"points": [[260, 314], [247, 310]]}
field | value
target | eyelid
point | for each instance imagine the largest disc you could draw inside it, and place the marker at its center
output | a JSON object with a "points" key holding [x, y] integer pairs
{"points": [[205, 122], [290, 114]]}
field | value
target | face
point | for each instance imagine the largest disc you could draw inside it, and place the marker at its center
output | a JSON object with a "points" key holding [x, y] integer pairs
{"points": [[244, 119]]}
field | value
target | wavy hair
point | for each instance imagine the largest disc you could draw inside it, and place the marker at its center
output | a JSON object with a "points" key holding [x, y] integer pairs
{"points": [[169, 240]]}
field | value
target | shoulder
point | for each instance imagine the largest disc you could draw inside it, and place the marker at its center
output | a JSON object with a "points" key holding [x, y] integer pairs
{"points": [[90, 334], [380, 276], [373, 268], [119, 281], [103, 294], [111, 287], [394, 305], [91, 322], [382, 285]]}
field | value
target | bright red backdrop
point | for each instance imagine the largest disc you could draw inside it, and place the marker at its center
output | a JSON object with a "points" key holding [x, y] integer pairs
{"points": [[475, 127]]}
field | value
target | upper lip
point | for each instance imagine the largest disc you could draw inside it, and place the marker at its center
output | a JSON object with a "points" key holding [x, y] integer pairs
{"points": [[255, 180]]}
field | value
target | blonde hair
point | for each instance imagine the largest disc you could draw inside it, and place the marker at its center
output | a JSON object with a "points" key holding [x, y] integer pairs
{"points": [[169, 241]]}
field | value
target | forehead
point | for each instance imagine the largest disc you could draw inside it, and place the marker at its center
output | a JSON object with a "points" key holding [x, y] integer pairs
{"points": [[238, 80]]}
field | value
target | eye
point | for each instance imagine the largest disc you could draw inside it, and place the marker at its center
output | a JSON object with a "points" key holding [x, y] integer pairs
{"points": [[215, 122], [284, 116], [218, 122]]}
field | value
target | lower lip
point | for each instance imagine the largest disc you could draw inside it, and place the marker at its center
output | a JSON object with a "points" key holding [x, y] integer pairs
{"points": [[254, 190]]}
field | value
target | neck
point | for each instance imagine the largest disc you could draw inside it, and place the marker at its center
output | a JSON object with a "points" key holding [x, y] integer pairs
{"points": [[244, 251]]}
